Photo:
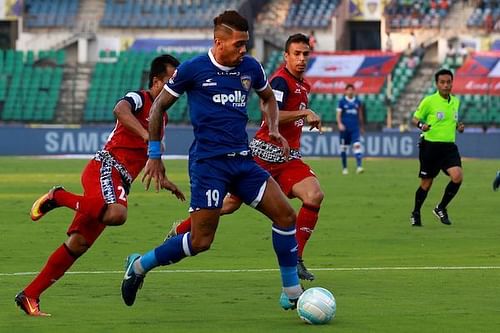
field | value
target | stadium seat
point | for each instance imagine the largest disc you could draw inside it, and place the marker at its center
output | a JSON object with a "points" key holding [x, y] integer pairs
{"points": [[50, 13], [24, 86]]}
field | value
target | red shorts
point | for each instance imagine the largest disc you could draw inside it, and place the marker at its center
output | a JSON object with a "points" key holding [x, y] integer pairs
{"points": [[105, 184], [287, 174]]}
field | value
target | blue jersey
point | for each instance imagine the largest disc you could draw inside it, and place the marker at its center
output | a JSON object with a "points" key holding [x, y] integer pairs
{"points": [[349, 109], [217, 99]]}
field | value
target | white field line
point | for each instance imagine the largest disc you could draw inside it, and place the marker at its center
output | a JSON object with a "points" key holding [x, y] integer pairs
{"points": [[259, 270]]}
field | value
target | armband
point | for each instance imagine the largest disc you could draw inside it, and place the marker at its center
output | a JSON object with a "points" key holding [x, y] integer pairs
{"points": [[154, 150]]}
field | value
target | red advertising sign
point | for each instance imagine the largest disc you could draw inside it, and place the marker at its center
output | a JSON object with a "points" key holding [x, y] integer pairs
{"points": [[480, 85], [363, 85]]}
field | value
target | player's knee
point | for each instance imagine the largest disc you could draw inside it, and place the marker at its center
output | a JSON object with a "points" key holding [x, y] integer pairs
{"points": [[426, 184], [343, 148], [201, 244], [115, 214], [457, 178], [357, 148], [77, 244], [314, 198], [287, 218]]}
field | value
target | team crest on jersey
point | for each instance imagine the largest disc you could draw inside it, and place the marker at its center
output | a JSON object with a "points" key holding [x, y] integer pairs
{"points": [[246, 82], [440, 115]]}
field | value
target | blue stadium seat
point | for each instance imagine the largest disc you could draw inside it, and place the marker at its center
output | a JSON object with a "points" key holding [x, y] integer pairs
{"points": [[160, 14], [50, 13]]}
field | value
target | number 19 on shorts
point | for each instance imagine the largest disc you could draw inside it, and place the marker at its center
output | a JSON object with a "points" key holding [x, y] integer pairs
{"points": [[212, 198]]}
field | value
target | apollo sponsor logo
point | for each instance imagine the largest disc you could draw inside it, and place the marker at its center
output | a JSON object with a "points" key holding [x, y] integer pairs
{"points": [[237, 99]]}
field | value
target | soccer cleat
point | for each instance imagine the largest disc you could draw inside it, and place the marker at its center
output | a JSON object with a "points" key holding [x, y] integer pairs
{"points": [[345, 171], [44, 204], [496, 182], [286, 303], [360, 170], [173, 231], [131, 281], [302, 271], [442, 215], [30, 305], [415, 219]]}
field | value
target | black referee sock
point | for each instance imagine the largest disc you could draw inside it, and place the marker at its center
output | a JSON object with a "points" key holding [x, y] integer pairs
{"points": [[449, 193], [420, 196]]}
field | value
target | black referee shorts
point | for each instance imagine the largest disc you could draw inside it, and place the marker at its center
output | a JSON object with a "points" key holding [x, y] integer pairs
{"points": [[435, 156]]}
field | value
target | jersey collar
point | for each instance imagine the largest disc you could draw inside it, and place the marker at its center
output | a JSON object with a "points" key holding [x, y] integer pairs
{"points": [[216, 64], [290, 73]]}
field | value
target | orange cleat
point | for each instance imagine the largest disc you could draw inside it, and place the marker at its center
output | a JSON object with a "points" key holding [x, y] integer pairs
{"points": [[30, 305], [44, 204]]}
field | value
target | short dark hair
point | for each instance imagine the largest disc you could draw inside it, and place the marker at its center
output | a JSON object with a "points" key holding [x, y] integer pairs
{"points": [[159, 64], [443, 71], [232, 19], [349, 85], [297, 38]]}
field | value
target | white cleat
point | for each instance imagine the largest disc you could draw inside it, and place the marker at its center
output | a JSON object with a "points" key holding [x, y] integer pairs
{"points": [[345, 172], [360, 170]]}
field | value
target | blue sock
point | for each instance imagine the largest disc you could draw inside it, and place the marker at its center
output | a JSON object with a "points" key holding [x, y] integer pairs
{"points": [[285, 246], [359, 157], [343, 155], [149, 261], [170, 252]]}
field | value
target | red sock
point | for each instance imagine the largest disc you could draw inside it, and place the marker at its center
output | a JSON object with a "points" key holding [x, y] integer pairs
{"points": [[184, 227], [91, 206], [59, 262], [306, 220]]}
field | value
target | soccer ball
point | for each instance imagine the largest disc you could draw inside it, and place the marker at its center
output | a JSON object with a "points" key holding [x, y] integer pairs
{"points": [[316, 306]]}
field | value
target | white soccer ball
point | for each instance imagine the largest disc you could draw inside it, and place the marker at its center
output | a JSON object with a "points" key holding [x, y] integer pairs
{"points": [[316, 306]]}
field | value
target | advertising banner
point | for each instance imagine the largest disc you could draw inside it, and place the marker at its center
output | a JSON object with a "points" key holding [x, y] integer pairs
{"points": [[87, 140], [330, 72]]}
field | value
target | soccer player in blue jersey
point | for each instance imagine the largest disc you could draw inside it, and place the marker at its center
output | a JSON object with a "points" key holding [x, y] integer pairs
{"points": [[350, 121], [217, 86], [496, 181]]}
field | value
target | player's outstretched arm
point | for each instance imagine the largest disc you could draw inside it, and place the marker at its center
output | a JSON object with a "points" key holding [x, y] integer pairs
{"points": [[269, 108], [154, 168]]}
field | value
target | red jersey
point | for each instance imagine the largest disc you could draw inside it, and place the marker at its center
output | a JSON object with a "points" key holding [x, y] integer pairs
{"points": [[291, 95], [128, 148]]}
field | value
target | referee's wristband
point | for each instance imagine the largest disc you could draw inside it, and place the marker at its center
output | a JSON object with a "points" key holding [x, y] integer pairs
{"points": [[154, 150], [420, 124]]}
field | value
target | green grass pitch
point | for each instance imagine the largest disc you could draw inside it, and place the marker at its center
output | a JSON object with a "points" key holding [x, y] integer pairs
{"points": [[386, 275]]}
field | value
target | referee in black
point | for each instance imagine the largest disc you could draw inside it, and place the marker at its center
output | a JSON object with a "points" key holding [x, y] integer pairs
{"points": [[437, 118]]}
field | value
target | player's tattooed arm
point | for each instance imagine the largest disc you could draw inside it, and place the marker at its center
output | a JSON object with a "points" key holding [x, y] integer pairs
{"points": [[154, 168], [161, 104]]}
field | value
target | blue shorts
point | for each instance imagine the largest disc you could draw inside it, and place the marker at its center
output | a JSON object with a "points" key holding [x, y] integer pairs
{"points": [[349, 136], [212, 178]]}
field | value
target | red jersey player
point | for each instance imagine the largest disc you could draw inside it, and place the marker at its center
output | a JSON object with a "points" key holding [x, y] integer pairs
{"points": [[295, 178], [106, 182]]}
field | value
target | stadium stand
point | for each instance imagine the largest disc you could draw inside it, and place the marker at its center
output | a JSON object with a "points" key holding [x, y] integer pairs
{"points": [[310, 13], [50, 13], [110, 81], [486, 15], [416, 14], [29, 85], [164, 14]]}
